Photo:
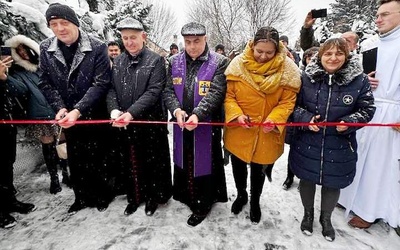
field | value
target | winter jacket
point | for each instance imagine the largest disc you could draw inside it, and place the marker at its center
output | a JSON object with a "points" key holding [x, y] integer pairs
{"points": [[328, 157], [138, 82], [24, 79], [4, 102], [85, 85], [307, 39], [245, 97]]}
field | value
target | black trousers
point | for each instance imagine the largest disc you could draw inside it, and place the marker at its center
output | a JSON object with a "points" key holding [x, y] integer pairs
{"points": [[329, 196], [8, 151]]}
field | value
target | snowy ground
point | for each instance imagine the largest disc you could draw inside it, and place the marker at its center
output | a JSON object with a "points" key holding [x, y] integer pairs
{"points": [[49, 227]]}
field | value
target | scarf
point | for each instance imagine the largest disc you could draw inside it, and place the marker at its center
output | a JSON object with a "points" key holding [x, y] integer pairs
{"points": [[266, 77]]}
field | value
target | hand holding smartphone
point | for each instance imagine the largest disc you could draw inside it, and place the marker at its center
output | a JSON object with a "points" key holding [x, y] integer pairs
{"points": [[319, 13]]}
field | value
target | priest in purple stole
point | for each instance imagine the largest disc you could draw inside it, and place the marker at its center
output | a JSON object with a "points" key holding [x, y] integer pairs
{"points": [[195, 91]]}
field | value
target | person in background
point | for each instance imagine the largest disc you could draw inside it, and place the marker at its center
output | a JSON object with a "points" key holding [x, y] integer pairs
{"points": [[262, 87], [334, 89], [173, 49], [75, 78], [374, 194], [138, 81], [220, 49], [307, 55], [307, 39], [114, 50], [293, 55], [194, 93], [8, 152], [24, 73]]}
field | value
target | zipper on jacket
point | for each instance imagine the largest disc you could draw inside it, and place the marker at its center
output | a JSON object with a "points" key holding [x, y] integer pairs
{"points": [[324, 130], [351, 147], [136, 82]]}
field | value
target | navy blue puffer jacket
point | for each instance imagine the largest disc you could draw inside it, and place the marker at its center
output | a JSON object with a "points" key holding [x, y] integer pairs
{"points": [[327, 157]]}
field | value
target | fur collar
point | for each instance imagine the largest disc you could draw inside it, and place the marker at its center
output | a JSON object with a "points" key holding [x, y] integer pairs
{"points": [[13, 42], [350, 70]]}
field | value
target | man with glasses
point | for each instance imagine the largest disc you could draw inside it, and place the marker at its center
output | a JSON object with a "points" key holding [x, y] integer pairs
{"points": [[374, 193]]}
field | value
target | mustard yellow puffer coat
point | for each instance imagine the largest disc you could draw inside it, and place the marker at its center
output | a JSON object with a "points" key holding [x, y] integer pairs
{"points": [[275, 103]]}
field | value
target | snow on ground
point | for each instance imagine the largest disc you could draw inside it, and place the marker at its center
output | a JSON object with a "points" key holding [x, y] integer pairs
{"points": [[49, 227]]}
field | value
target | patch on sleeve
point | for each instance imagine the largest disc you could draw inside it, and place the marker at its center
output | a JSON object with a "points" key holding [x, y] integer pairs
{"points": [[204, 87]]}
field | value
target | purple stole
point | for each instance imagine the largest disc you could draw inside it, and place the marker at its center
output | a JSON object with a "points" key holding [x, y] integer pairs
{"points": [[203, 133]]}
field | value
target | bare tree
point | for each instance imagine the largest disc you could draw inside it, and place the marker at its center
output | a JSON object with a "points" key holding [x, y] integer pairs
{"points": [[233, 22], [223, 19], [163, 23], [275, 13]]}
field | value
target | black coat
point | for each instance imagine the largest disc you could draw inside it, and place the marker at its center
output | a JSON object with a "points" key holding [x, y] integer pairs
{"points": [[137, 85], [328, 157], [85, 85]]}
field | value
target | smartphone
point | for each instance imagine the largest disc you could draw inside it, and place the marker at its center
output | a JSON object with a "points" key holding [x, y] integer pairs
{"points": [[319, 13], [5, 51]]}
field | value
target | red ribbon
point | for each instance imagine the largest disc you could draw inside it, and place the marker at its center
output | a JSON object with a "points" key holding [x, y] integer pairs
{"points": [[288, 124]]}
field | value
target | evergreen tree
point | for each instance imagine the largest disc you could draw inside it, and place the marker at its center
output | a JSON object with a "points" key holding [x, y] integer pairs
{"points": [[125, 9], [355, 15], [102, 24]]}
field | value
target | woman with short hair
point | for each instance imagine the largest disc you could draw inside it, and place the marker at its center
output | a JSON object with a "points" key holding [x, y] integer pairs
{"points": [[334, 89]]}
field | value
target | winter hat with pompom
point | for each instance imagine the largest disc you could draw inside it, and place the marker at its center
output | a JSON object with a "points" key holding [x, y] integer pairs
{"points": [[57, 10]]}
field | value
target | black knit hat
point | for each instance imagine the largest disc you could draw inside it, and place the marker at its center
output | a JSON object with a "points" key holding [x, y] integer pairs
{"points": [[173, 46], [57, 10], [284, 38], [219, 46]]}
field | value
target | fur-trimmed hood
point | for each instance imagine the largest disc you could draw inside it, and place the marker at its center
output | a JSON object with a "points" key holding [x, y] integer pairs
{"points": [[13, 42], [350, 70]]}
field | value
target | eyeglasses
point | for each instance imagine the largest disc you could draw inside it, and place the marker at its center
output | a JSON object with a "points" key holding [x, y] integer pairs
{"points": [[383, 15]]}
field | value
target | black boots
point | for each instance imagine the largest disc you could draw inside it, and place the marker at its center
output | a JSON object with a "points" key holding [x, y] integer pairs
{"points": [[327, 229], [150, 207], [51, 159], [307, 222], [195, 219], [6, 220], [267, 170], [20, 207], [240, 201], [289, 179], [397, 230], [131, 208], [77, 206], [66, 179], [257, 179]]}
